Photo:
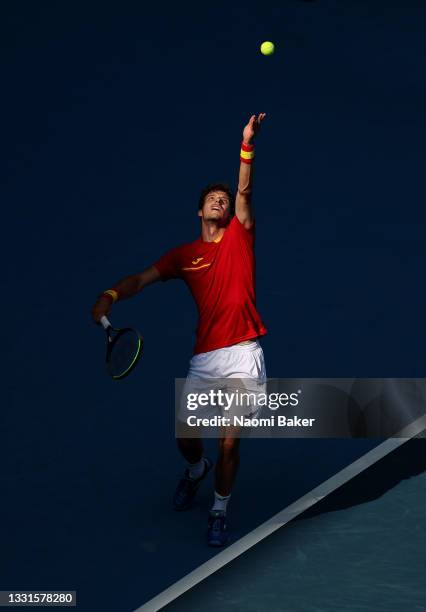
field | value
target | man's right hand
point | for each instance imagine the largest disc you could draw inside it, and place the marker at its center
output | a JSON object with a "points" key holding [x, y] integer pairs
{"points": [[102, 308]]}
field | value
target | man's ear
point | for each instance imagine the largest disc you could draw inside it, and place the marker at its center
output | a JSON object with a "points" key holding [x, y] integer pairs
{"points": [[200, 212]]}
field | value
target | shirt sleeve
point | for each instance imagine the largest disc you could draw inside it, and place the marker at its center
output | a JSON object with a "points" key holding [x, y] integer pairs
{"points": [[167, 265], [246, 234]]}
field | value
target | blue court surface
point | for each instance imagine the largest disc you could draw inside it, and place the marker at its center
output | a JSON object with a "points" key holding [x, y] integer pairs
{"points": [[361, 548], [114, 119]]}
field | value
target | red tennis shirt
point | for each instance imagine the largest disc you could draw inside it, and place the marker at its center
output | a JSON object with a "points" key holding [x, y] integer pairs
{"points": [[221, 278]]}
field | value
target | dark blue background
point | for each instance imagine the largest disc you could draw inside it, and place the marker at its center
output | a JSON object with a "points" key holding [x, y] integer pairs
{"points": [[114, 118]]}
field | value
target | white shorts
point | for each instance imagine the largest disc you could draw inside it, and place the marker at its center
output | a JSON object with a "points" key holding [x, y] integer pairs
{"points": [[239, 368]]}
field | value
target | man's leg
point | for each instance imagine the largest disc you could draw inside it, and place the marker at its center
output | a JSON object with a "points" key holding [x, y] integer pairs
{"points": [[196, 470], [227, 465], [191, 449], [226, 470]]}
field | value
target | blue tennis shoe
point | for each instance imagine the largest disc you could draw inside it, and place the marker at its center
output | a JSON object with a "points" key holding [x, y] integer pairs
{"points": [[188, 487], [217, 531]]}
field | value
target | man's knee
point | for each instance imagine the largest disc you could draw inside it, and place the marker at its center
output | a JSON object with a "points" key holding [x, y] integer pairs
{"points": [[229, 447]]}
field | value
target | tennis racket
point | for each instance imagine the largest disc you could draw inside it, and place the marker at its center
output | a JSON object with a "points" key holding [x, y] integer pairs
{"points": [[124, 349]]}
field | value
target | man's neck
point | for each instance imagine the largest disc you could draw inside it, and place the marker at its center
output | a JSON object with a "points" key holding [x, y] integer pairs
{"points": [[211, 231]]}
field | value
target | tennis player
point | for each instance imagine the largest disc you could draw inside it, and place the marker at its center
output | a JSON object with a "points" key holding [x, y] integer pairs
{"points": [[219, 269]]}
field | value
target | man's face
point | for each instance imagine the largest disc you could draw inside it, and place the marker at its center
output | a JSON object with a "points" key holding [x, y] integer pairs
{"points": [[216, 207]]}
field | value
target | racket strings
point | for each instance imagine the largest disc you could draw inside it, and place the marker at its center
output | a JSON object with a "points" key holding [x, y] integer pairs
{"points": [[125, 350]]}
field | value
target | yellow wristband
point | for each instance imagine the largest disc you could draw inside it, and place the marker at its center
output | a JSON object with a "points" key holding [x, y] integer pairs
{"points": [[112, 293], [247, 154]]}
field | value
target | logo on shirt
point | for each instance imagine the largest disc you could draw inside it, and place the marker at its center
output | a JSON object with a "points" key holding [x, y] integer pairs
{"points": [[196, 265]]}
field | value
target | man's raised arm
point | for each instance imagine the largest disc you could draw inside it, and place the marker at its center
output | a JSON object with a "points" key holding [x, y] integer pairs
{"points": [[127, 287], [243, 206]]}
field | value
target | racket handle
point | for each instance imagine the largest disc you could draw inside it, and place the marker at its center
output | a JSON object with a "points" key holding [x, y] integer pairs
{"points": [[105, 323]]}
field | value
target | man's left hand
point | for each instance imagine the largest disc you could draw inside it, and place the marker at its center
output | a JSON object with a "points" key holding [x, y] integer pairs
{"points": [[252, 127]]}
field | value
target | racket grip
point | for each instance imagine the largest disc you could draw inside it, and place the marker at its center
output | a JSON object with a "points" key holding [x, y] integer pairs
{"points": [[105, 323]]}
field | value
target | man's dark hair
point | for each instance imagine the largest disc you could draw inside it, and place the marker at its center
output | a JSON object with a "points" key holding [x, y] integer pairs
{"points": [[217, 187]]}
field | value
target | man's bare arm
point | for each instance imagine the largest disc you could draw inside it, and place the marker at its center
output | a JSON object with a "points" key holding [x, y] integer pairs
{"points": [[131, 285], [125, 288], [243, 204]]}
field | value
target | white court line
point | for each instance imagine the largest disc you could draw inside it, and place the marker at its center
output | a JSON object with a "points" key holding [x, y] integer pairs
{"points": [[284, 516]]}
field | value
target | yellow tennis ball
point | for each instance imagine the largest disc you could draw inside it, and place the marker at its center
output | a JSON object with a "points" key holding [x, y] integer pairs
{"points": [[267, 48]]}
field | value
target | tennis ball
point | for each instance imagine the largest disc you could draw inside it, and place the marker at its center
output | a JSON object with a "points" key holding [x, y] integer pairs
{"points": [[267, 48]]}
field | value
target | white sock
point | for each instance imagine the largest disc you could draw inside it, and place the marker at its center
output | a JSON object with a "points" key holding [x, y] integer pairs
{"points": [[196, 469], [220, 502]]}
